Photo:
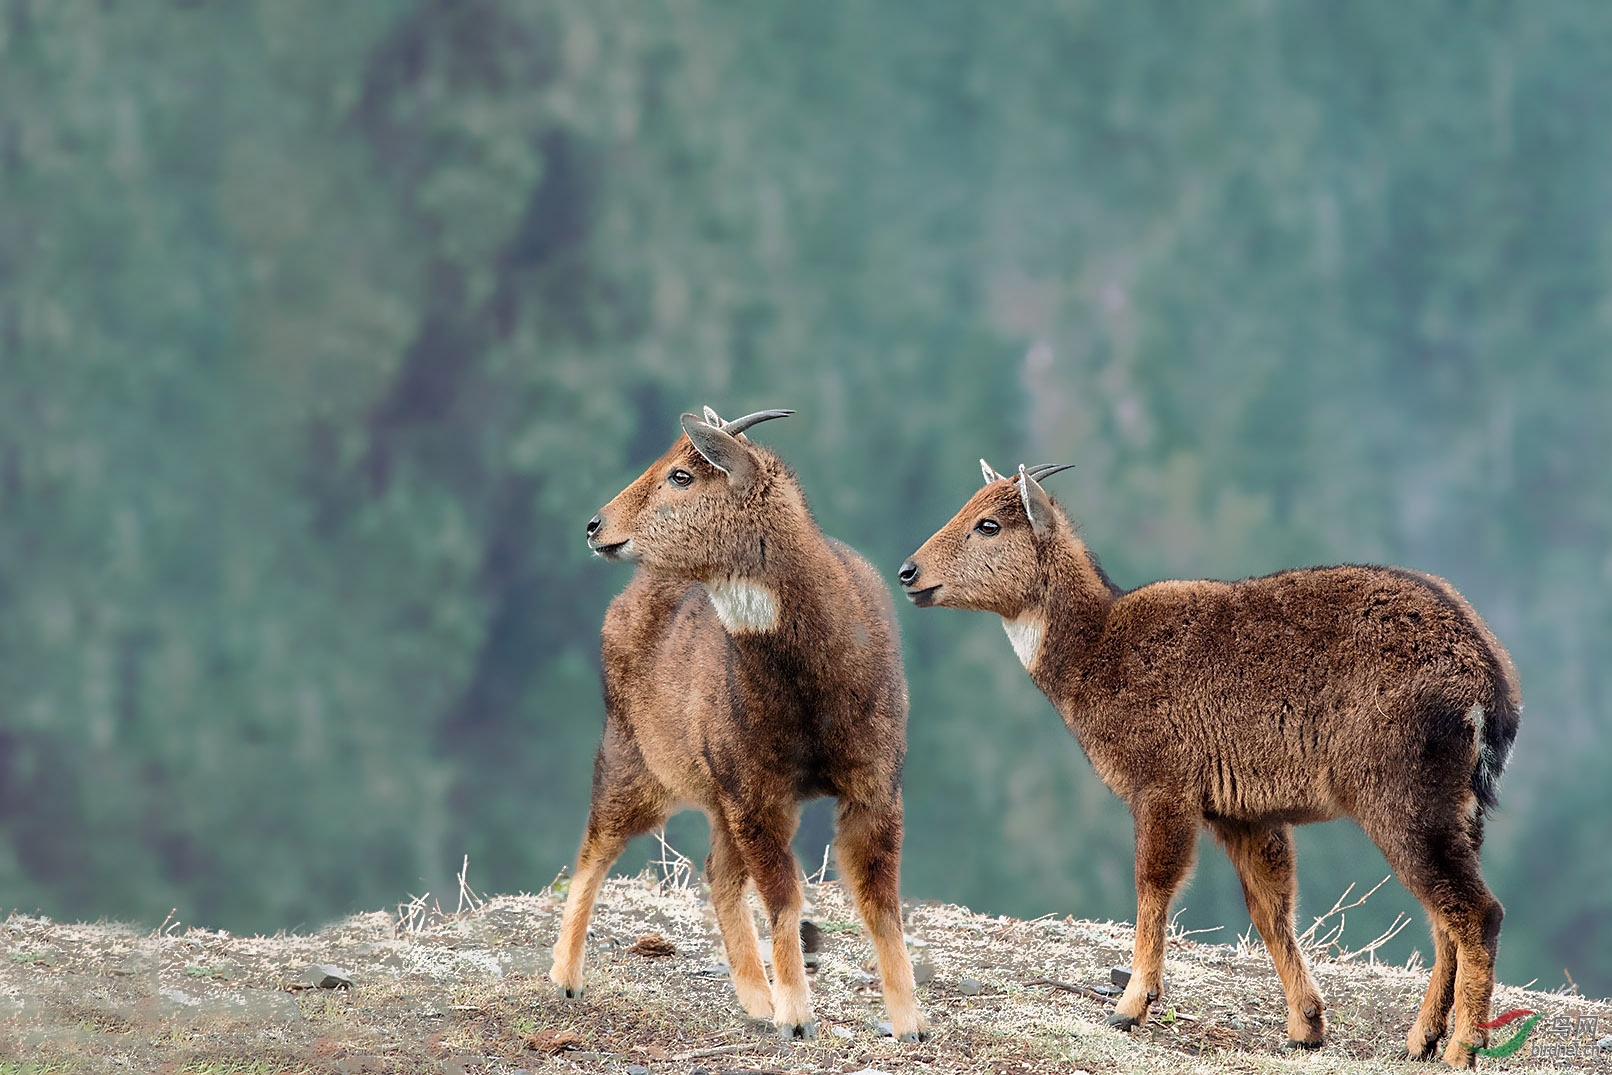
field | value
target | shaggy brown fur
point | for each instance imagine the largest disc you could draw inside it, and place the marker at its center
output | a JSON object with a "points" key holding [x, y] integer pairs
{"points": [[1250, 707], [750, 665]]}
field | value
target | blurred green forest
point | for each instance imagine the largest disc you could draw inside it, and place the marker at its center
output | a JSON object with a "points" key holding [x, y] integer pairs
{"points": [[325, 328]]}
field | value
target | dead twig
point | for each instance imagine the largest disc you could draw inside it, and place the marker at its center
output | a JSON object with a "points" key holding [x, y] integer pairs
{"points": [[1401, 920], [1070, 987], [822, 873], [412, 916], [1176, 933], [163, 930], [468, 899], [676, 868], [1320, 945], [726, 1050]]}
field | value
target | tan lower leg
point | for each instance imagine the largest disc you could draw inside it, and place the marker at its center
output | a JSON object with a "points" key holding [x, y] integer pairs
{"points": [[1474, 982], [869, 839], [1147, 958], [1266, 866], [570, 949], [1434, 1018], [728, 882], [895, 970], [1306, 1025], [1165, 840], [791, 1001]]}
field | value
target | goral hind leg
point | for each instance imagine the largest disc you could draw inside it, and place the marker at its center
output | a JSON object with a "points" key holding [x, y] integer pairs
{"points": [[869, 841], [762, 835], [728, 877], [1265, 862]]}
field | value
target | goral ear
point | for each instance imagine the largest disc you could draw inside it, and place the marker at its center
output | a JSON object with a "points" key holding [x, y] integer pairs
{"points": [[721, 450], [1037, 504]]}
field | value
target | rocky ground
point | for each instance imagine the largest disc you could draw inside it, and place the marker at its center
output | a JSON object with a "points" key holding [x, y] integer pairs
{"points": [[423, 991]]}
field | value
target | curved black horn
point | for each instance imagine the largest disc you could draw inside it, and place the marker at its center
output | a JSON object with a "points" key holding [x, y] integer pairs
{"points": [[1047, 470], [739, 425]]}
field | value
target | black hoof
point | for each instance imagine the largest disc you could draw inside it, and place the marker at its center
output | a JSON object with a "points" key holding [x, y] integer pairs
{"points": [[1429, 1051], [1122, 1022], [797, 1031], [1311, 1046], [567, 993], [912, 1037]]}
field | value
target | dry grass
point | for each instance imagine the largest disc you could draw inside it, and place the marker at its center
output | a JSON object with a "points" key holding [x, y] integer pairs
{"points": [[465, 991]]}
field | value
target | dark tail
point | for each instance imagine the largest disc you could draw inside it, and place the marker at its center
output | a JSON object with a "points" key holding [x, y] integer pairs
{"points": [[1498, 731]]}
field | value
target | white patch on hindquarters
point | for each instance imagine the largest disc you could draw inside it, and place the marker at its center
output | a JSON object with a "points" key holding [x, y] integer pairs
{"points": [[1025, 634], [1475, 717], [743, 606]]}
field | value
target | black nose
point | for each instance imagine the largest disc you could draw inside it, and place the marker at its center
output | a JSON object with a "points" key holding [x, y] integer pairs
{"points": [[594, 524], [908, 573]]}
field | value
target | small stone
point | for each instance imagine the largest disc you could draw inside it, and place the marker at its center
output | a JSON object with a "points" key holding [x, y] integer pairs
{"points": [[322, 977], [719, 969], [869, 1071], [970, 987], [699, 1069], [923, 973], [842, 1032], [861, 979], [1121, 976], [1604, 1043], [637, 1069]]}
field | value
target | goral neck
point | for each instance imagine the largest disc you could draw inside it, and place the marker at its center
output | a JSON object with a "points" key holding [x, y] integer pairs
{"points": [[784, 595], [1057, 633]]}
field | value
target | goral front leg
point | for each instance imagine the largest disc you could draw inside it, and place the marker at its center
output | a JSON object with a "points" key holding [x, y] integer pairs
{"points": [[1165, 839]]}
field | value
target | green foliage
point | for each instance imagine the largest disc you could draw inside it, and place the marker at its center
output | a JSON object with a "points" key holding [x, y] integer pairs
{"points": [[323, 330]]}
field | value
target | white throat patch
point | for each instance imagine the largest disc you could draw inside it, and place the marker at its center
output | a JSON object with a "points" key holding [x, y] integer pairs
{"points": [[1025, 634], [743, 606]]}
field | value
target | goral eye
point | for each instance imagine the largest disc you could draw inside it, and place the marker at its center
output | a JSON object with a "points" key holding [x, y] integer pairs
{"points": [[988, 527], [681, 477]]}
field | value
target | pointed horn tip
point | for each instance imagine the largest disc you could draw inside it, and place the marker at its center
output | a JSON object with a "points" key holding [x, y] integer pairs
{"points": [[739, 425], [1047, 470]]}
